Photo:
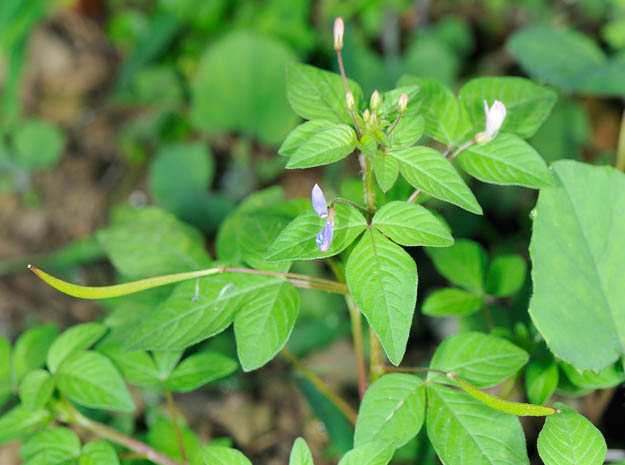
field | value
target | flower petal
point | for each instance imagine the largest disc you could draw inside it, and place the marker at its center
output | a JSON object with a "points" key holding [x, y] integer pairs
{"points": [[324, 238], [319, 201]]}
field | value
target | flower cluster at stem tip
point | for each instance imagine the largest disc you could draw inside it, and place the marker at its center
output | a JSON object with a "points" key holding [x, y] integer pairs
{"points": [[324, 238]]}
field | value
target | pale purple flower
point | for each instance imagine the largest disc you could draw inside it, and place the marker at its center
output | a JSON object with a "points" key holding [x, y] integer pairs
{"points": [[319, 201], [324, 238]]}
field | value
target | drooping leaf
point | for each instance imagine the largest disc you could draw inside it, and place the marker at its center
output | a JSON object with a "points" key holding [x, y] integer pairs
{"points": [[19, 422], [392, 411], [36, 389], [527, 104], [428, 170], [302, 134], [216, 455], [570, 439], [52, 446], [198, 369], [463, 430], [386, 170], [326, 146], [264, 323], [90, 379], [297, 240], [451, 301], [541, 375], [300, 453], [31, 348], [506, 275], [371, 453], [478, 358], [578, 303], [75, 339], [410, 224], [98, 452], [382, 278], [464, 263], [136, 367]]}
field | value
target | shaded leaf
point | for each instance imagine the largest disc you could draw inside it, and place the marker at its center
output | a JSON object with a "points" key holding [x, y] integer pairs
{"points": [[36, 389], [506, 275], [31, 349], [19, 422], [464, 263], [199, 369], [451, 302], [98, 452], [51, 446], [75, 339]]}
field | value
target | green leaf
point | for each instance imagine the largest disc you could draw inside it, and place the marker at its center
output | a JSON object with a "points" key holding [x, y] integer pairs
{"points": [[6, 385], [317, 94], [166, 361], [570, 439], [372, 453], [506, 275], [264, 323], [297, 240], [199, 369], [390, 102], [541, 375], [18, 422], [162, 435], [392, 411], [610, 376], [75, 339], [31, 349], [428, 170], [451, 302], [300, 453], [412, 225], [578, 226], [36, 389], [326, 146], [98, 452], [382, 278], [225, 98], [408, 131], [465, 431], [302, 134], [51, 447], [90, 379], [136, 367], [478, 358], [527, 105], [464, 264], [152, 242], [506, 160], [215, 455], [38, 144], [386, 170]]}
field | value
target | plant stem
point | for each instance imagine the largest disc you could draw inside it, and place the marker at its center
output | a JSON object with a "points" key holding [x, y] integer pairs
{"points": [[413, 370], [348, 202], [104, 431], [339, 58], [361, 366], [414, 196], [376, 362], [394, 124], [369, 185], [464, 146], [343, 406], [620, 153], [174, 420]]}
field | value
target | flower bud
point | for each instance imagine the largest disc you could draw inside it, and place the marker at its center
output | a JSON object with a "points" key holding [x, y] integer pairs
{"points": [[349, 99], [375, 101], [339, 29], [403, 102], [366, 115], [494, 117]]}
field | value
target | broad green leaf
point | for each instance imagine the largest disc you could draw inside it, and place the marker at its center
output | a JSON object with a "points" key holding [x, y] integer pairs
{"points": [[216, 455], [75, 339], [19, 422], [36, 389], [372, 453], [506, 160], [506, 275], [163, 437], [579, 224], [527, 105], [464, 263], [408, 131], [166, 361], [98, 452], [152, 242], [541, 375], [392, 411], [182, 320], [317, 94], [199, 369], [264, 323], [225, 97], [297, 240], [326, 146], [386, 170], [51, 447], [6, 384], [300, 453], [136, 367], [570, 439], [608, 377], [31, 348], [302, 134], [90, 379], [428, 170], [390, 102], [382, 278], [451, 302], [478, 358], [465, 431], [412, 225], [38, 144]]}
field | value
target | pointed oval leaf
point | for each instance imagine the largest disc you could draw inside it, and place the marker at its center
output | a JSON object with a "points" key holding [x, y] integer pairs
{"points": [[464, 263], [136, 367], [451, 302], [326, 146], [408, 131], [98, 452], [36, 389], [479, 358], [382, 278], [541, 375], [372, 453], [302, 134], [392, 411], [199, 369], [31, 349], [506, 160], [90, 379], [386, 170], [51, 447], [426, 169], [570, 439], [216, 455], [506, 275], [412, 225], [166, 361], [75, 339], [300, 454], [612, 375], [19, 422]]}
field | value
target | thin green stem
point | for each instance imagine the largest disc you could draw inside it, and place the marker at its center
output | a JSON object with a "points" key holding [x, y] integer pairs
{"points": [[394, 124], [459, 150], [369, 185], [339, 58], [174, 419], [348, 202], [413, 370], [620, 153], [359, 351], [343, 406]]}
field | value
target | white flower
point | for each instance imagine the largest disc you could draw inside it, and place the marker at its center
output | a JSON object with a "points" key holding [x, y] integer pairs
{"points": [[495, 115]]}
